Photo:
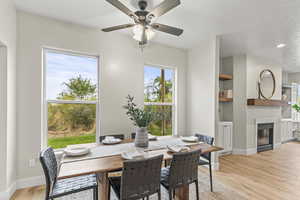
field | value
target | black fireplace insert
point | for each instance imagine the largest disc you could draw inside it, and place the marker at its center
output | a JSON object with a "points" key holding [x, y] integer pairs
{"points": [[265, 136]]}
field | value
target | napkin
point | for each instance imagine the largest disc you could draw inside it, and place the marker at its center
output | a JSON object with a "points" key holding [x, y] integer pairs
{"points": [[177, 148]]}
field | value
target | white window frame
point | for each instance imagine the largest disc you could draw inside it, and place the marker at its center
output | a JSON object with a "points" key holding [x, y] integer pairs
{"points": [[174, 95], [45, 50]]}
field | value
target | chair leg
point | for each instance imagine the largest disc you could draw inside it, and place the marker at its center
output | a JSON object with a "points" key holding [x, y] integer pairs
{"points": [[109, 192], [197, 189], [159, 195], [210, 176], [95, 193], [170, 194], [174, 193]]}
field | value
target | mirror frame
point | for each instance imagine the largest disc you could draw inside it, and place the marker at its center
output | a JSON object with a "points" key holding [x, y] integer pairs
{"points": [[260, 93]]}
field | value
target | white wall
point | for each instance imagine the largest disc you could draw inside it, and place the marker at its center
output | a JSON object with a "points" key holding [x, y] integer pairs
{"points": [[201, 88], [254, 66], [239, 102], [121, 71], [293, 77], [7, 97]]}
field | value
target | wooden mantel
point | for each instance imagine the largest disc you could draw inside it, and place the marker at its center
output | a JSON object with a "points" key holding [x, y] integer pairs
{"points": [[264, 102]]}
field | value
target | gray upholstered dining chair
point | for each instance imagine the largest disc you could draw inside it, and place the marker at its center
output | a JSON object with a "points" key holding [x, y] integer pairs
{"points": [[205, 159], [182, 171], [58, 188], [140, 179], [119, 136]]}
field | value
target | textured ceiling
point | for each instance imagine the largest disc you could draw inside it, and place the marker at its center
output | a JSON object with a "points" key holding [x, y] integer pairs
{"points": [[245, 25]]}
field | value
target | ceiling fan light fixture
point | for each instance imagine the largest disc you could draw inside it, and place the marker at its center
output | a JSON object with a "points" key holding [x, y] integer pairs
{"points": [[138, 31]]}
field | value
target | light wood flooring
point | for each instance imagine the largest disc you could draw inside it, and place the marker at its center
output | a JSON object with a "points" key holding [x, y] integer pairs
{"points": [[271, 175]]}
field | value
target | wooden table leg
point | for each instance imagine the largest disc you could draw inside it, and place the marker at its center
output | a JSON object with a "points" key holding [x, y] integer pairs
{"points": [[103, 186], [182, 193]]}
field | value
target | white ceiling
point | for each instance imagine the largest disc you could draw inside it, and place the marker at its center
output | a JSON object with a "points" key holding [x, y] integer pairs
{"points": [[246, 25]]}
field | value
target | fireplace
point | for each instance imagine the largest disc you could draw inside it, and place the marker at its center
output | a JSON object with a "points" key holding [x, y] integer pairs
{"points": [[265, 136]]}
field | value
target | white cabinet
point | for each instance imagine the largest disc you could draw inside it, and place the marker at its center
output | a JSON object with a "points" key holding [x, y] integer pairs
{"points": [[224, 138], [286, 130]]}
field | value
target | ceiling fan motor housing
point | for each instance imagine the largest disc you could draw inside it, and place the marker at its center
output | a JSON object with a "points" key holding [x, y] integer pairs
{"points": [[143, 4]]}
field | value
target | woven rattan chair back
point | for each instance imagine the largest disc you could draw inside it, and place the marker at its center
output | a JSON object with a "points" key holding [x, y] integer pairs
{"points": [[141, 178], [184, 168], [49, 164], [208, 140], [205, 138]]}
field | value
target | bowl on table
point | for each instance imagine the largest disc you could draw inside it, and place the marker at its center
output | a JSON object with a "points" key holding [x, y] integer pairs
{"points": [[109, 140], [76, 151], [189, 139]]}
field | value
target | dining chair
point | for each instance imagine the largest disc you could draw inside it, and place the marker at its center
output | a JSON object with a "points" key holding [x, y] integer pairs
{"points": [[119, 136], [58, 188], [182, 171], [133, 135], [205, 159], [140, 179]]}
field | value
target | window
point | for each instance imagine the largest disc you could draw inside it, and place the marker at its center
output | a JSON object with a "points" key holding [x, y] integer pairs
{"points": [[159, 96], [71, 98]]}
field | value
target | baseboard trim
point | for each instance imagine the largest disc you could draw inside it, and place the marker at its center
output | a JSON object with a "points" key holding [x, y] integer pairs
{"points": [[247, 152], [215, 166], [5, 195], [30, 182], [277, 145]]}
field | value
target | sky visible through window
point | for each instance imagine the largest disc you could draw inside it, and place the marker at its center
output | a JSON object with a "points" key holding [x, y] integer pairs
{"points": [[62, 67], [150, 73]]}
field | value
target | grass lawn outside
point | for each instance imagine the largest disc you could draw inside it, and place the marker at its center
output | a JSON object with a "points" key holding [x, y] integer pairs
{"points": [[62, 142]]}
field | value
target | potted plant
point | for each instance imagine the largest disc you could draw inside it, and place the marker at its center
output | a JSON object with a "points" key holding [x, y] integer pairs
{"points": [[141, 118], [297, 132]]}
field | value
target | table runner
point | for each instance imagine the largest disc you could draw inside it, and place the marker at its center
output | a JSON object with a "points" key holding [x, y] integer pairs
{"points": [[112, 150]]}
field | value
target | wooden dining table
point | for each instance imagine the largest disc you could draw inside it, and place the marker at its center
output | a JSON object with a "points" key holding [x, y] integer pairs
{"points": [[103, 165]]}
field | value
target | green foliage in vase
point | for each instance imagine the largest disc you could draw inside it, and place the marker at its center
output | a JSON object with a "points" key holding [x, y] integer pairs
{"points": [[296, 107], [139, 116]]}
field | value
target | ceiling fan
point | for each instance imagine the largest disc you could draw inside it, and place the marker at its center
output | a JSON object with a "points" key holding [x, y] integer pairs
{"points": [[143, 28]]}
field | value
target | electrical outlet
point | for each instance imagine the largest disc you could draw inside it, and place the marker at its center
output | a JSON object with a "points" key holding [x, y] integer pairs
{"points": [[32, 163]]}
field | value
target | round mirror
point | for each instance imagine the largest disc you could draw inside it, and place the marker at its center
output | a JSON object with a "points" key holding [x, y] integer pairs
{"points": [[266, 84]]}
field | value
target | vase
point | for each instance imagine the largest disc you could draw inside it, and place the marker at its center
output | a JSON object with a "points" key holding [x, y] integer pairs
{"points": [[141, 137]]}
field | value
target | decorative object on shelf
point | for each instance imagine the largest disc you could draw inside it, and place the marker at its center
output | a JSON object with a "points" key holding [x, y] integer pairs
{"points": [[141, 118], [143, 28], [225, 96], [265, 91]]}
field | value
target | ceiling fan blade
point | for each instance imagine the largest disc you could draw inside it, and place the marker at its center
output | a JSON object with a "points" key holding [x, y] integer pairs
{"points": [[114, 28], [167, 29], [122, 7], [164, 7]]}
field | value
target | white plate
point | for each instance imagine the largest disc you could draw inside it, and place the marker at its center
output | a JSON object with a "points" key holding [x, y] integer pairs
{"points": [[113, 141], [152, 137], [190, 139], [177, 149], [76, 151], [132, 155]]}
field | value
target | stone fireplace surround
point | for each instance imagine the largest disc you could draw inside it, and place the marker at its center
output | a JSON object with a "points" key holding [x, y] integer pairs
{"points": [[245, 140]]}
